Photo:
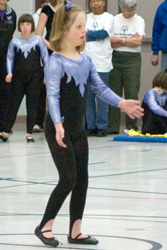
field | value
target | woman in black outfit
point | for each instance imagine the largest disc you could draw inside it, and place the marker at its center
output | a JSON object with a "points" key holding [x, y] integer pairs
{"points": [[7, 28], [45, 20]]}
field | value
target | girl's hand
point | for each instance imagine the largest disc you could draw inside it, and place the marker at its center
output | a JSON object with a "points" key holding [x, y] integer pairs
{"points": [[132, 108], [9, 77], [60, 134]]}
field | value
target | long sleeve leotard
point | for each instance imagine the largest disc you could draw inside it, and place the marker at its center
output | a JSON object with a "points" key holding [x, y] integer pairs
{"points": [[23, 56], [66, 83], [24, 62], [155, 102]]}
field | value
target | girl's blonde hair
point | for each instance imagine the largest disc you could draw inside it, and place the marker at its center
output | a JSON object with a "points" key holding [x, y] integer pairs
{"points": [[63, 19]]}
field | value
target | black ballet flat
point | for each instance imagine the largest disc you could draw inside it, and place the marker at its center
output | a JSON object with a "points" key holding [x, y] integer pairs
{"points": [[85, 241], [3, 137], [47, 241], [30, 139]]}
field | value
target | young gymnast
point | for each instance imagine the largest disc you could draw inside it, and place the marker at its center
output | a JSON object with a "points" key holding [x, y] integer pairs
{"points": [[155, 106], [25, 71], [66, 76]]}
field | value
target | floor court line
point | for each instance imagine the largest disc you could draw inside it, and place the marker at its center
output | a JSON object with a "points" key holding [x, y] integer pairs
{"points": [[97, 196], [124, 190], [154, 245], [10, 156], [99, 217], [127, 173], [112, 211]]}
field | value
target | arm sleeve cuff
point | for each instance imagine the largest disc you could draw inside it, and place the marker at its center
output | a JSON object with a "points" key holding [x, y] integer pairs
{"points": [[96, 35]]}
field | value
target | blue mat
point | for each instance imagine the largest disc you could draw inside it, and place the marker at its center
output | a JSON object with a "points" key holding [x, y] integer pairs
{"points": [[139, 138]]}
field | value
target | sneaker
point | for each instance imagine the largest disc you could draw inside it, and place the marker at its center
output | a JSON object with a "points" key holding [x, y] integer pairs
{"points": [[91, 132], [126, 131], [111, 132], [102, 133], [37, 129]]}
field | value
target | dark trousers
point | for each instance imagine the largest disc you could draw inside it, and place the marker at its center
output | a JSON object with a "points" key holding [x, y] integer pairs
{"points": [[19, 88], [5, 92], [72, 166], [154, 124], [41, 107], [124, 76]]}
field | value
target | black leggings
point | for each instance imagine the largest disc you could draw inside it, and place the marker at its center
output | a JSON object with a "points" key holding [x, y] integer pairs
{"points": [[32, 91], [5, 91], [154, 124], [41, 107], [72, 166]]}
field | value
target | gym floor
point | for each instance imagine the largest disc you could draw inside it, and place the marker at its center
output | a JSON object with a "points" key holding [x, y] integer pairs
{"points": [[126, 205]]}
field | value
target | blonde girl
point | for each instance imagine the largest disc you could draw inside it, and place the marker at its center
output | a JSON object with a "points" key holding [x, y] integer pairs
{"points": [[67, 76]]}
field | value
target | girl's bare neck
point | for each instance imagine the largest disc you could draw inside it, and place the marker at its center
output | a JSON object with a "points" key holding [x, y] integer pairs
{"points": [[69, 50], [26, 36], [159, 90]]}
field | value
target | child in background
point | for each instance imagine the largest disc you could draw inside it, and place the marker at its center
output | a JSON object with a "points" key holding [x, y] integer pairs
{"points": [[45, 20], [155, 106], [45, 24], [7, 28], [67, 75], [39, 125], [37, 14], [25, 71]]}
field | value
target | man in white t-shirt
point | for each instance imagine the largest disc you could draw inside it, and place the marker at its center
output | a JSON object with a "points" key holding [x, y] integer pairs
{"points": [[99, 30], [129, 32]]}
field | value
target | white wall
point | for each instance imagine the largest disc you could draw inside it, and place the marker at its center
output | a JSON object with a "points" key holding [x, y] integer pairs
{"points": [[22, 6]]}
